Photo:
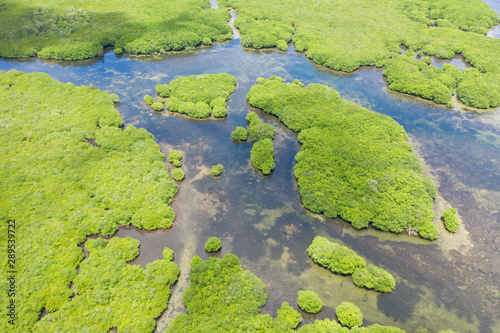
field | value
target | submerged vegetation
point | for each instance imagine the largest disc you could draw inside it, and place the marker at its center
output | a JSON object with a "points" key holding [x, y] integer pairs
{"points": [[199, 96], [347, 35], [68, 170], [450, 219], [225, 298], [309, 301], [342, 260], [262, 135], [353, 163], [110, 293], [69, 30]]}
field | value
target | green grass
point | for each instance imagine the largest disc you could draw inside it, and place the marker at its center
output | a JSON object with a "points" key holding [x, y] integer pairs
{"points": [[353, 163], [68, 170], [345, 35], [70, 30]]}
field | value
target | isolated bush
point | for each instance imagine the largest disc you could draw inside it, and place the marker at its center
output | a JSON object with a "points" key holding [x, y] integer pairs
{"points": [[216, 170], [213, 244], [450, 219], [349, 314], [262, 156], [309, 301]]}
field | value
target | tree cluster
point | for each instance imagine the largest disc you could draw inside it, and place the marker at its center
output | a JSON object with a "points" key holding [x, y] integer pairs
{"points": [[353, 163], [342, 260]]}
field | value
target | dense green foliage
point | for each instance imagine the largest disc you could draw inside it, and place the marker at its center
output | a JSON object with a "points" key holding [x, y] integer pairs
{"points": [[149, 99], [412, 76], [178, 174], [239, 134], [262, 134], [199, 96], [111, 293], [353, 163], [70, 30], [450, 219], [175, 157], [339, 259], [216, 170], [258, 130], [309, 301], [373, 277], [349, 314], [225, 298], [213, 244], [262, 156], [331, 326], [342, 260], [68, 170], [158, 106], [345, 35]]}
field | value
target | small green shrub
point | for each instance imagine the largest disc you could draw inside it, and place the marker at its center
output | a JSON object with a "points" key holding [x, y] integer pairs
{"points": [[158, 106], [175, 157], [168, 254], [262, 156], [252, 118], [178, 174], [118, 51], [115, 98], [213, 244], [207, 41], [309, 301], [149, 99], [216, 170], [239, 134], [373, 277], [349, 314], [450, 219]]}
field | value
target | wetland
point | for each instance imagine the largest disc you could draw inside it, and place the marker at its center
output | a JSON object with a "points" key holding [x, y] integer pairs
{"points": [[449, 283]]}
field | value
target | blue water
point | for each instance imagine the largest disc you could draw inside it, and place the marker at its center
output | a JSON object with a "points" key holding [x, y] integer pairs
{"points": [[450, 283]]}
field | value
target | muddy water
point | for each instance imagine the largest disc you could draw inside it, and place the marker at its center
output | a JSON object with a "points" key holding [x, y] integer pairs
{"points": [[449, 283]]}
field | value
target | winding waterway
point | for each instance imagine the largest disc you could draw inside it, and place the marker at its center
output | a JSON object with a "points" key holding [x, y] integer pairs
{"points": [[452, 282]]}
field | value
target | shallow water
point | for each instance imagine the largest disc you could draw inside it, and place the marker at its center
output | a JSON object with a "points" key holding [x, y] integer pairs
{"points": [[449, 283]]}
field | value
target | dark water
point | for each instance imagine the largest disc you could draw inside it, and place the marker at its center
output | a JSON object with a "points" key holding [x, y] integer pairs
{"points": [[449, 283]]}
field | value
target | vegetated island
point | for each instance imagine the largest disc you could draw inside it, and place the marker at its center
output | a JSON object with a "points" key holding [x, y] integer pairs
{"points": [[198, 96], [70, 30], [342, 260], [347, 35], [450, 219], [225, 298], [353, 163], [68, 170], [262, 135], [110, 293]]}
